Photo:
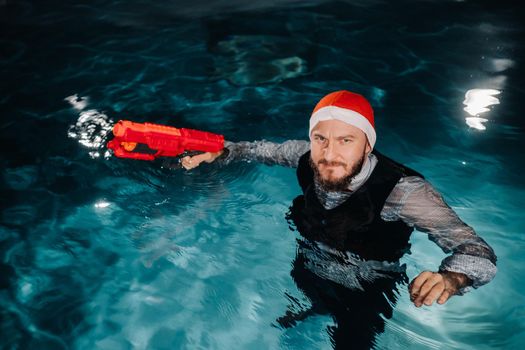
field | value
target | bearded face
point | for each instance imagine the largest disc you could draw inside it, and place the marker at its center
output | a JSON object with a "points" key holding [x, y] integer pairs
{"points": [[332, 183], [338, 151]]}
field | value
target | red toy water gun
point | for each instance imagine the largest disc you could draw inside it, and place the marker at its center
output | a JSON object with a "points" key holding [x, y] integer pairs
{"points": [[146, 141]]}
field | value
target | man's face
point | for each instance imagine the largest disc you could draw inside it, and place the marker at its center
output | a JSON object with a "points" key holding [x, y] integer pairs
{"points": [[338, 151]]}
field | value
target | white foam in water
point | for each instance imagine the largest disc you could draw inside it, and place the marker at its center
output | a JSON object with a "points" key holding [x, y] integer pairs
{"points": [[91, 128]]}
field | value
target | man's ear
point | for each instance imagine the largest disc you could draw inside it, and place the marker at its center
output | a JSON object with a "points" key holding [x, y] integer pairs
{"points": [[368, 148]]}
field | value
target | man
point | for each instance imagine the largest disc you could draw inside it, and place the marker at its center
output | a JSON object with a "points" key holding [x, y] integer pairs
{"points": [[356, 215]]}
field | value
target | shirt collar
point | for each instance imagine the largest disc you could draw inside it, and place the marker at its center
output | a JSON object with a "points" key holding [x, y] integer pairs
{"points": [[366, 170]]}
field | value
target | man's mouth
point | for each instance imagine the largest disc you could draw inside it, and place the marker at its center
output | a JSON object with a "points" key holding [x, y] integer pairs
{"points": [[331, 164]]}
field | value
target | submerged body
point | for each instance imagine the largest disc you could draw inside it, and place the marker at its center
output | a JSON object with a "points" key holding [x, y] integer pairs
{"points": [[355, 282], [355, 216]]}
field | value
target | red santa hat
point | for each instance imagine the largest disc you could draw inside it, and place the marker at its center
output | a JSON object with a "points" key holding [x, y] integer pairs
{"points": [[347, 107]]}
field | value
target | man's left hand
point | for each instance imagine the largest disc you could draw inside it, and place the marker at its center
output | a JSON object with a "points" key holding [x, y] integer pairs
{"points": [[429, 286]]}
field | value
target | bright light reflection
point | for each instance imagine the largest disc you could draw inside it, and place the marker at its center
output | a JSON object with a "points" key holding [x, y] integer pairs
{"points": [[477, 101], [476, 122], [102, 205], [501, 64]]}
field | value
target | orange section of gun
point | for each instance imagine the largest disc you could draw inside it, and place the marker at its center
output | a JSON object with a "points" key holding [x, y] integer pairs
{"points": [[147, 141]]}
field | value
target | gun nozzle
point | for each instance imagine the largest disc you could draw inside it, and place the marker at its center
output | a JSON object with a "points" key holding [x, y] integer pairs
{"points": [[119, 129]]}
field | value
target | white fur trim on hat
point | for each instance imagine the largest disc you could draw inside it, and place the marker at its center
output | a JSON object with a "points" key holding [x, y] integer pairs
{"points": [[347, 116]]}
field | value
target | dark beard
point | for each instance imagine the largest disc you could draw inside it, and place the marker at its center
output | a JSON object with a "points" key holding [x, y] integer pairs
{"points": [[341, 184]]}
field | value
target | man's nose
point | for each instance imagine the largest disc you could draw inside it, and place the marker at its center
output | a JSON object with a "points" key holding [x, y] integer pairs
{"points": [[330, 152]]}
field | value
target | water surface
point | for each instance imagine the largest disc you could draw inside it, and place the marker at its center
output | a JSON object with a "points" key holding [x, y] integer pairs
{"points": [[103, 253]]}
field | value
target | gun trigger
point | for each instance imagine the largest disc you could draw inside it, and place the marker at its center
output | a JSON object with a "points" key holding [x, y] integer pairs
{"points": [[190, 153]]}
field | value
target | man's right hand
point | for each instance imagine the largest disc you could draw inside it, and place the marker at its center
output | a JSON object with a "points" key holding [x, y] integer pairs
{"points": [[430, 286], [192, 162]]}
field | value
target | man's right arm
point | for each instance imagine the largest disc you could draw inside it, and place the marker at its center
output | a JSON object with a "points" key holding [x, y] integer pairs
{"points": [[271, 153]]}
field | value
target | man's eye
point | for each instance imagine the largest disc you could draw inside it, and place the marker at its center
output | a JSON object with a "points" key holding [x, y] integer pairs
{"points": [[345, 141], [319, 138]]}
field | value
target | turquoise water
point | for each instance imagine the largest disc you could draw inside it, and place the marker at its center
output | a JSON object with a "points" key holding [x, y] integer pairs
{"points": [[103, 253]]}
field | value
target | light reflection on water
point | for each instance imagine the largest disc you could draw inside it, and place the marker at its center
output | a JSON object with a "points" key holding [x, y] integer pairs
{"points": [[477, 101]]}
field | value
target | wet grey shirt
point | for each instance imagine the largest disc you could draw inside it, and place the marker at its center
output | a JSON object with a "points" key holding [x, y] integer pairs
{"points": [[413, 200]]}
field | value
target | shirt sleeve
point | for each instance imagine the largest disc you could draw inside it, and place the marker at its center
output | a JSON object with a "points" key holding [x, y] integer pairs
{"points": [[271, 153], [417, 203]]}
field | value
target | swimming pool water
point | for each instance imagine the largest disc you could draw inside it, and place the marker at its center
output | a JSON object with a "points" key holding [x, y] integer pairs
{"points": [[102, 253]]}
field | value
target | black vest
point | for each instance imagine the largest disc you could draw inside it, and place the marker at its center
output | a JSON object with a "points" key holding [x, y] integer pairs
{"points": [[356, 224]]}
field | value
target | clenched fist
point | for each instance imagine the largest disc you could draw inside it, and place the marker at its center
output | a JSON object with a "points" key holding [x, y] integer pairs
{"points": [[193, 162]]}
